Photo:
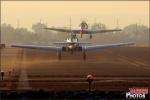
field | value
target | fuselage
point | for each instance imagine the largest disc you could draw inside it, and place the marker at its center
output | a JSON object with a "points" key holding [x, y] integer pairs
{"points": [[72, 44]]}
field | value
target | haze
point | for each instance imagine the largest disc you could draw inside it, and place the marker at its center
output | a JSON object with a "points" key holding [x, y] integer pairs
{"points": [[57, 13]]}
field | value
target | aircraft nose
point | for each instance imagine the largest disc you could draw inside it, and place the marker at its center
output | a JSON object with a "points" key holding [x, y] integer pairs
{"points": [[70, 47]]}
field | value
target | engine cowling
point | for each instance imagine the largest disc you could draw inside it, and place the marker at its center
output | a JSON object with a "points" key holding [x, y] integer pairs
{"points": [[83, 26]]}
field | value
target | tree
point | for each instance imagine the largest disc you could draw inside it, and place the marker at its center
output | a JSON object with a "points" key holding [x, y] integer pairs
{"points": [[98, 26], [38, 27]]}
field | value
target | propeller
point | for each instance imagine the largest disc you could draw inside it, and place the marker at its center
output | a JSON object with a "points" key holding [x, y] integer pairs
{"points": [[83, 26]]}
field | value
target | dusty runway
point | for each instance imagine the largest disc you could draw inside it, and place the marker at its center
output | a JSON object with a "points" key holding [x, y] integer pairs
{"points": [[34, 69]]}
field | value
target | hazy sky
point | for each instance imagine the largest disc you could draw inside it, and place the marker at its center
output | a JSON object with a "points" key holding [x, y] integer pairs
{"points": [[57, 13]]}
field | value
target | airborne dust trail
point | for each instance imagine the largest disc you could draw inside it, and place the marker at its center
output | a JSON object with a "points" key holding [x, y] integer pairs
{"points": [[23, 77]]}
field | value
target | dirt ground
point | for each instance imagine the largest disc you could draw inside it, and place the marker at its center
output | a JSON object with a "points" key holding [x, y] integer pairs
{"points": [[113, 69]]}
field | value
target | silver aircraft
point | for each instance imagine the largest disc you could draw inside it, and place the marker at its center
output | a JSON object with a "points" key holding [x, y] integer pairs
{"points": [[83, 30], [71, 45]]}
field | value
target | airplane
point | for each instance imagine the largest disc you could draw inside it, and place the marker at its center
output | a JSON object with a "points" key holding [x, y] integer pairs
{"points": [[71, 45], [84, 30]]}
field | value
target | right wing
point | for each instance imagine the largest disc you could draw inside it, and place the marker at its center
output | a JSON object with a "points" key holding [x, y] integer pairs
{"points": [[48, 48], [96, 47], [105, 30]]}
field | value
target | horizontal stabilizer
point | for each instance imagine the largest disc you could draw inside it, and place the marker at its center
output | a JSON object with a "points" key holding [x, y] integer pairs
{"points": [[64, 43]]}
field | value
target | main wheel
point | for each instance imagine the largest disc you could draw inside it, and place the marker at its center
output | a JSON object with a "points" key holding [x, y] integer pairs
{"points": [[84, 56], [90, 36], [59, 55]]}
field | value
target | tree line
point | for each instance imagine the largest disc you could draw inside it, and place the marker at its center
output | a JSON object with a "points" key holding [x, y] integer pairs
{"points": [[138, 34]]}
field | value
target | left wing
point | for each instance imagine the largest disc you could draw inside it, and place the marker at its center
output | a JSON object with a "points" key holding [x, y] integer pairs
{"points": [[96, 47], [49, 48]]}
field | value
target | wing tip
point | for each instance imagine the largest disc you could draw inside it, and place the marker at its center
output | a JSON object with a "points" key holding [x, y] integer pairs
{"points": [[13, 45]]}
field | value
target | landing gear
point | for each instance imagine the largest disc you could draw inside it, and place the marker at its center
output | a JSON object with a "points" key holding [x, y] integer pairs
{"points": [[81, 34], [2, 75], [84, 56], [90, 36], [71, 52], [59, 55]]}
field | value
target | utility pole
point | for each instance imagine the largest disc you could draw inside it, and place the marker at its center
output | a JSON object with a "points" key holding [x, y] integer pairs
{"points": [[136, 28], [18, 23], [117, 23], [95, 20], [40, 21], [70, 22]]}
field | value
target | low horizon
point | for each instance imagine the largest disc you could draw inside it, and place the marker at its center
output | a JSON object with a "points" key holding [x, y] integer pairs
{"points": [[72, 27]]}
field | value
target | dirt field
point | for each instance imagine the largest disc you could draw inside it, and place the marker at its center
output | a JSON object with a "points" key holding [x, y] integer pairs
{"points": [[113, 69]]}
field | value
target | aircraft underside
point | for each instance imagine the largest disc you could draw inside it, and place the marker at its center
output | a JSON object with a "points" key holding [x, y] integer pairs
{"points": [[71, 50]]}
